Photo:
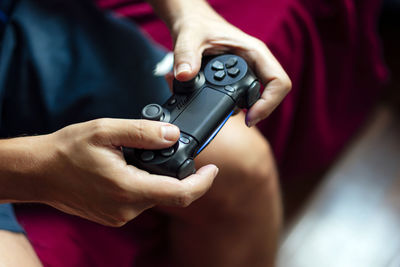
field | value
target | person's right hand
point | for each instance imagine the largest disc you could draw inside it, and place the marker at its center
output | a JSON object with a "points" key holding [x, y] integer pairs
{"points": [[86, 174]]}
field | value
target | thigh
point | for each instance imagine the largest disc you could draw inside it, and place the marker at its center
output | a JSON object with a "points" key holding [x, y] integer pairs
{"points": [[237, 222], [247, 173], [245, 160], [15, 249], [94, 65]]}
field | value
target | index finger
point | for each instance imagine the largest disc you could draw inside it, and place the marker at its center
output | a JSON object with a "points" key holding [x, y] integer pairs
{"points": [[273, 77]]}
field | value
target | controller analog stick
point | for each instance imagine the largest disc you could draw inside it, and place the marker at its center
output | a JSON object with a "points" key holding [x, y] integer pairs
{"points": [[189, 86], [152, 112]]}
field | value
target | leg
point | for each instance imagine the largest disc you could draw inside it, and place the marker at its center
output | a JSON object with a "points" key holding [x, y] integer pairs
{"points": [[15, 250], [237, 223]]}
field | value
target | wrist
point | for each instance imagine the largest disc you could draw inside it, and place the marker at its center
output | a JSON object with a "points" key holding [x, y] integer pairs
{"points": [[176, 13], [24, 162]]}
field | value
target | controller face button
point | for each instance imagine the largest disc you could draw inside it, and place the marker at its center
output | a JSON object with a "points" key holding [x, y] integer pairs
{"points": [[217, 65], [187, 168], [147, 156], [168, 152], [199, 107], [219, 75], [231, 62], [184, 140], [152, 112], [229, 89], [233, 72]]}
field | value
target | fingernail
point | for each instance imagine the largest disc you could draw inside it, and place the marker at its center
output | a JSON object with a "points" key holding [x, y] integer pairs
{"points": [[183, 67], [252, 122], [216, 171], [211, 169], [170, 132]]}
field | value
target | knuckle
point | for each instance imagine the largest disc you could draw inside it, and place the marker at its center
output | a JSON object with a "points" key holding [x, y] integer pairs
{"points": [[286, 84], [99, 128], [119, 220], [140, 131], [116, 223], [184, 199], [259, 44]]}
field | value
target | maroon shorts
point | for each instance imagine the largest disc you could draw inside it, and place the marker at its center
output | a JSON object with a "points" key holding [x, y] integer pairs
{"points": [[331, 52]]}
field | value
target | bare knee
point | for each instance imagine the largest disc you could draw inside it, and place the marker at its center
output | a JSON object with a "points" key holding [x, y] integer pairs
{"points": [[15, 250], [248, 172]]}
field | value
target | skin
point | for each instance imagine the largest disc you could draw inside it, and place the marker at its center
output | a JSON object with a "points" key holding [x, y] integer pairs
{"points": [[16, 251], [80, 169], [237, 222], [217, 225], [197, 30]]}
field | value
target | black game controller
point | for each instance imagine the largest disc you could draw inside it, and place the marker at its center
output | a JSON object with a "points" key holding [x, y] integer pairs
{"points": [[199, 108]]}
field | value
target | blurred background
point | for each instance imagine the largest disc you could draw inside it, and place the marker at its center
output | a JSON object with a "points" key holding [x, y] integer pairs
{"points": [[351, 218]]}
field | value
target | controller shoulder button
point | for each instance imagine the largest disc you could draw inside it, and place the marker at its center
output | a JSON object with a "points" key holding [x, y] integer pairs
{"points": [[219, 75], [168, 152], [233, 72], [217, 65], [231, 62], [147, 156]]}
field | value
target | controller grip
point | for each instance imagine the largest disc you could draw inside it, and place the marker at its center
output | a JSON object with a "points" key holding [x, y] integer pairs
{"points": [[253, 94]]}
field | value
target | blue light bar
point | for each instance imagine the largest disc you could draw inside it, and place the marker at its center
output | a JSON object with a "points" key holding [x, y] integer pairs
{"points": [[214, 133]]}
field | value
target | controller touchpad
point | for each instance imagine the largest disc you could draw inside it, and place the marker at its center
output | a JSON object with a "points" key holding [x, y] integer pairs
{"points": [[209, 108]]}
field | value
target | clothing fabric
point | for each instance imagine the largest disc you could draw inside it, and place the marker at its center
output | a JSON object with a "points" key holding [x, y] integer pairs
{"points": [[7, 217], [331, 52], [63, 62], [330, 49], [8, 221]]}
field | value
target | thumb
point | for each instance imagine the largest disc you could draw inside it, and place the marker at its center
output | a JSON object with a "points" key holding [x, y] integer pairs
{"points": [[137, 133], [187, 56]]}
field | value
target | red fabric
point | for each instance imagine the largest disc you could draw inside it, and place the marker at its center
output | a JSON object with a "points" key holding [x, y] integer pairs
{"points": [[331, 52], [62, 240], [330, 49]]}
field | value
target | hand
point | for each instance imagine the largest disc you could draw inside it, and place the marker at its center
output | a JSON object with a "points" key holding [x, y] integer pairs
{"points": [[81, 170], [197, 29]]}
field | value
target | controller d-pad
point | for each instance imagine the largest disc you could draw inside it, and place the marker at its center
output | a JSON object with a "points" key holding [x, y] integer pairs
{"points": [[219, 75], [225, 70], [231, 62], [217, 65], [233, 72]]}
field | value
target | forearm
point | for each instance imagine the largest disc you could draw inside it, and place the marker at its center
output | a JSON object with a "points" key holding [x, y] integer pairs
{"points": [[22, 160], [174, 11]]}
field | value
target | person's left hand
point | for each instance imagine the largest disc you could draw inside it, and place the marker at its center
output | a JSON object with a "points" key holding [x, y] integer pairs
{"points": [[197, 29]]}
